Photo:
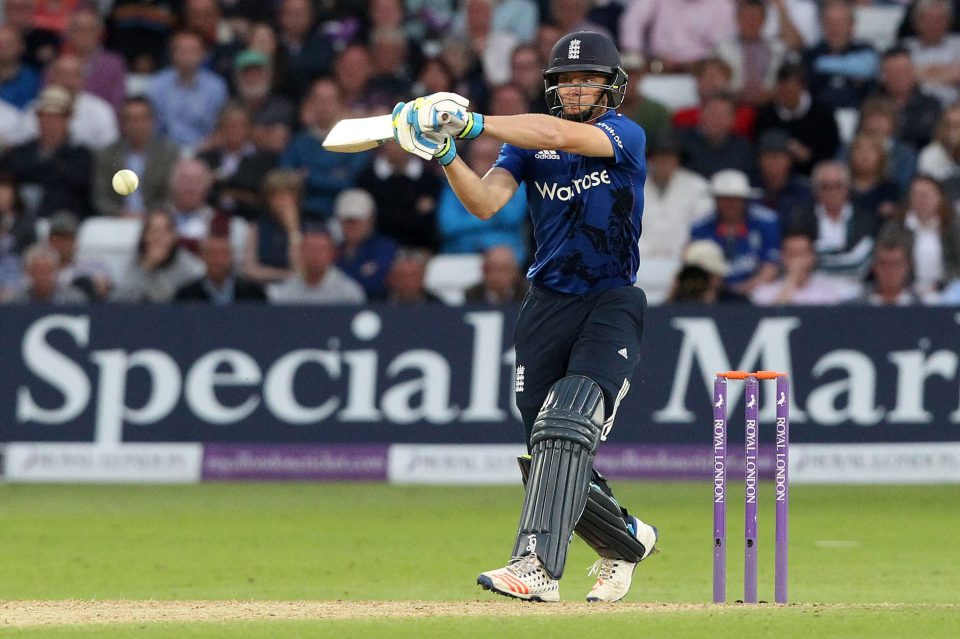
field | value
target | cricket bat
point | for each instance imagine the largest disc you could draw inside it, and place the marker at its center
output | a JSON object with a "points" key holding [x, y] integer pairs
{"points": [[354, 135]]}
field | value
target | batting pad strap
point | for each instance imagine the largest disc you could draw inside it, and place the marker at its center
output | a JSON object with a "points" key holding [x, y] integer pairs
{"points": [[473, 126], [604, 528]]}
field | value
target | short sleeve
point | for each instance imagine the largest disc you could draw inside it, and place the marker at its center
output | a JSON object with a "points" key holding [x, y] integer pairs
{"points": [[628, 139], [511, 159]]}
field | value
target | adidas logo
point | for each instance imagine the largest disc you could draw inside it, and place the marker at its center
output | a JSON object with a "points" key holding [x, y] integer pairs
{"points": [[623, 353], [547, 154]]}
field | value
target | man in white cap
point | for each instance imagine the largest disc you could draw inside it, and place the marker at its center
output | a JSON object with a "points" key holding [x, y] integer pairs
{"points": [[748, 232], [365, 255]]}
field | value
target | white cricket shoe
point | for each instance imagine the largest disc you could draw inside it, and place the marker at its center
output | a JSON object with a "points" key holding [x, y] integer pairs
{"points": [[522, 578], [614, 576]]}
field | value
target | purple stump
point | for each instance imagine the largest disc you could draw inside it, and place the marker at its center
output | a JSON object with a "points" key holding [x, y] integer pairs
{"points": [[782, 485], [719, 489], [751, 448]]}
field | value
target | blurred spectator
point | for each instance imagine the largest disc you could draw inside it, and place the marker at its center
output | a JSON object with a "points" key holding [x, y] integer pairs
{"points": [[139, 149], [365, 255], [17, 226], [671, 36], [878, 117], [11, 125], [160, 266], [190, 184], [712, 145], [652, 115], [319, 280], [870, 187], [53, 173], [492, 47], [352, 70], [811, 126], [842, 70], [93, 123], [844, 232], [941, 158], [104, 72], [673, 199], [219, 285], [405, 191], [783, 190], [748, 233], [753, 58], [795, 22], [391, 75], [186, 97], [253, 79], [467, 71], [19, 83], [571, 16], [273, 240], [461, 232], [701, 279], [237, 165], [907, 24], [519, 17], [327, 173], [41, 43], [917, 112], [90, 276], [435, 75], [890, 273], [935, 51], [502, 281], [306, 54], [40, 263], [405, 280], [526, 73], [714, 77], [929, 221], [507, 99], [801, 282], [547, 36], [205, 18], [139, 30]]}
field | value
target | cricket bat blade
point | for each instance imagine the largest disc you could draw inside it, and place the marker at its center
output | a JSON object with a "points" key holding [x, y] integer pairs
{"points": [[354, 135]]}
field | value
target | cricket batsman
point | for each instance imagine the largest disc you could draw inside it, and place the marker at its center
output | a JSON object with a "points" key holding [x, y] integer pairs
{"points": [[579, 330]]}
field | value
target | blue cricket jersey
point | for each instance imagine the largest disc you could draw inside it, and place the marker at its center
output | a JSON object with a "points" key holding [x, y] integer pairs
{"points": [[586, 211]]}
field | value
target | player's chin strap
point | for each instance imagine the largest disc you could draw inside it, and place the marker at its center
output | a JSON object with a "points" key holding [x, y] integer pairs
{"points": [[563, 441]]}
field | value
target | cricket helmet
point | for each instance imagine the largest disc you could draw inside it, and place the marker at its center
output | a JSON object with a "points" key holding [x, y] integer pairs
{"points": [[585, 51]]}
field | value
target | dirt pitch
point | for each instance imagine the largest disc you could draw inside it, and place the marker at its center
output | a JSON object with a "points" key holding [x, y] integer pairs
{"points": [[71, 612]]}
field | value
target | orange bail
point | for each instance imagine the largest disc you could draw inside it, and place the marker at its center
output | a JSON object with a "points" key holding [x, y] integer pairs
{"points": [[734, 374], [768, 375]]}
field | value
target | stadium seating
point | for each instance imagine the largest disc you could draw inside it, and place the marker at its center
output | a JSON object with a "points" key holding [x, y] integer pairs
{"points": [[450, 275], [673, 90], [878, 24]]}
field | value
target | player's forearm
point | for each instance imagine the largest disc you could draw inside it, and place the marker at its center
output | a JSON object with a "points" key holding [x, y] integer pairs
{"points": [[530, 130], [470, 189]]}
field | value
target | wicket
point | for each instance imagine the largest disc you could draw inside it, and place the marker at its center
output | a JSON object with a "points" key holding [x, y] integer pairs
{"points": [[751, 448]]}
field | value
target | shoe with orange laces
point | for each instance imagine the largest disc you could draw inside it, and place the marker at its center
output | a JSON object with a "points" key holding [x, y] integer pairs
{"points": [[522, 578]]}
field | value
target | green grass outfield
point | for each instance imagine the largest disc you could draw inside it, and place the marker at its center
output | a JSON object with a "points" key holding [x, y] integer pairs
{"points": [[877, 561]]}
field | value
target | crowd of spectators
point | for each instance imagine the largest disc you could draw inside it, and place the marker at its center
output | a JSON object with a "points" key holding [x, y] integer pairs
{"points": [[755, 194]]}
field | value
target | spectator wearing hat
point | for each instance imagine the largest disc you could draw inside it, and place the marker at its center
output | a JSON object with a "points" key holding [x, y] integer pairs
{"points": [[842, 69], [319, 281], [748, 232], [844, 233], [93, 123], [502, 282], [811, 126], [272, 251], [253, 80], [219, 285], [364, 254], [701, 278], [104, 72], [801, 283], [140, 149], [783, 190], [89, 275], [40, 265], [713, 145], [673, 199], [236, 164], [462, 232], [53, 173], [753, 58], [186, 97], [19, 83], [327, 173]]}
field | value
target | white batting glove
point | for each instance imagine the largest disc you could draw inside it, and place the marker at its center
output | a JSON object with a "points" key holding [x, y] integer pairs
{"points": [[424, 144], [447, 113]]}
